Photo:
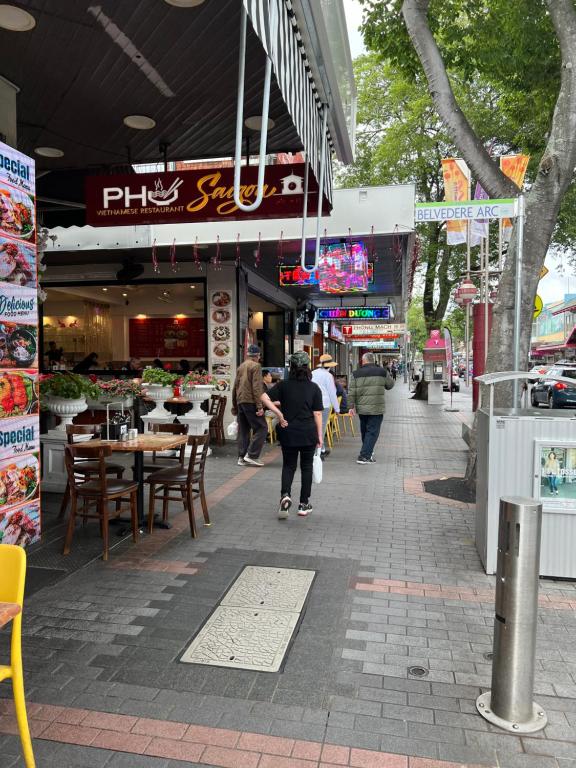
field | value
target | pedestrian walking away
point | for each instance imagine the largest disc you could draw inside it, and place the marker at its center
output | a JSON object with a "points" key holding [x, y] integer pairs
{"points": [[247, 407], [324, 379], [367, 398], [300, 430]]}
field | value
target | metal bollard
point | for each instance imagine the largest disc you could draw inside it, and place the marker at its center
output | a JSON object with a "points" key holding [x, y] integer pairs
{"points": [[509, 703]]}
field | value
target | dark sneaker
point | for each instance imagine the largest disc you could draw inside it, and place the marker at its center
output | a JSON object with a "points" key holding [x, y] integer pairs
{"points": [[304, 509], [372, 460], [283, 509], [362, 460]]}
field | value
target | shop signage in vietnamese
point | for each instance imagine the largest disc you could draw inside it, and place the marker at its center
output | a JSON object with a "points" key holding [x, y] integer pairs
{"points": [[355, 313], [466, 210], [377, 330], [289, 277], [197, 195]]}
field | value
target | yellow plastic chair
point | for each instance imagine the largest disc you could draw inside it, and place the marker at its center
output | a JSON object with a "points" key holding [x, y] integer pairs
{"points": [[347, 418], [271, 429], [334, 426], [12, 579]]}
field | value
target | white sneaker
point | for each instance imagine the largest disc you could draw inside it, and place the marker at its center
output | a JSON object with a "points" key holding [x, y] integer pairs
{"points": [[241, 462], [253, 462], [283, 509]]}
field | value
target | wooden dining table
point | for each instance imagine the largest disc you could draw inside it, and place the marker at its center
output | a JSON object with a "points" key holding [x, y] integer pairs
{"points": [[8, 611], [153, 441]]}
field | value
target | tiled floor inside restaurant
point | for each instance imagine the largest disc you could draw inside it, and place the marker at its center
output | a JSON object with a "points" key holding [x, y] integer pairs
{"points": [[398, 584]]}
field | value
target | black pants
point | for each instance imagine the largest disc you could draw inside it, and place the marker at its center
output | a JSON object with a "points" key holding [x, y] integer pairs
{"points": [[289, 464], [247, 420], [369, 430]]}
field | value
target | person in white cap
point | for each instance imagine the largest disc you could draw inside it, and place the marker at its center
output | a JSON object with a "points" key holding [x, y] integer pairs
{"points": [[322, 376]]}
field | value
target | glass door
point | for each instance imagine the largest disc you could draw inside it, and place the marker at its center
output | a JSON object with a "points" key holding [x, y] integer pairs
{"points": [[273, 344]]}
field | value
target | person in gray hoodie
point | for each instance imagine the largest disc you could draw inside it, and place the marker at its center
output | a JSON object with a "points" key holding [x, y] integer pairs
{"points": [[367, 398]]}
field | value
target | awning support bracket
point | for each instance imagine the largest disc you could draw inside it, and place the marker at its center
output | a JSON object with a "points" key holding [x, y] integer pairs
{"points": [[314, 267], [247, 207]]}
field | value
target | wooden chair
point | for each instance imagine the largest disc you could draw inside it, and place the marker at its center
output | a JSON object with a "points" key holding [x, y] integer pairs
{"points": [[216, 411], [189, 481], [86, 470], [12, 579], [165, 462], [99, 491]]}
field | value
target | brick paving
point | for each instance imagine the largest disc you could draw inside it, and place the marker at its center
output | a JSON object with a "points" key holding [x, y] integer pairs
{"points": [[398, 584]]}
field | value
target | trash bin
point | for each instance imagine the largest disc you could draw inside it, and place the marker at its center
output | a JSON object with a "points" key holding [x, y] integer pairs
{"points": [[514, 459]]}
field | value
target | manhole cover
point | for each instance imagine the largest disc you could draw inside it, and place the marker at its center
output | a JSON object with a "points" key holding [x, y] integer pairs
{"points": [[254, 623], [417, 671]]}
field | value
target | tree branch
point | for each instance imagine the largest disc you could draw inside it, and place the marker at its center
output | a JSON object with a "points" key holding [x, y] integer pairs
{"points": [[496, 183]]}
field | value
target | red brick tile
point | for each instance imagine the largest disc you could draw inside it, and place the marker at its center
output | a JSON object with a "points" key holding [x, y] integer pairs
{"points": [[328, 765], [308, 750], [217, 737], [175, 750], [366, 758], [161, 728], [273, 761], [8, 724], [71, 716], [122, 742], [234, 758], [272, 745], [70, 734], [120, 723], [7, 707], [427, 762], [333, 754], [44, 711]]}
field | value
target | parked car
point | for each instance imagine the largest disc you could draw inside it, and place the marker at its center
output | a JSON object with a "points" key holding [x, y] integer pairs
{"points": [[555, 394], [538, 371], [455, 383]]}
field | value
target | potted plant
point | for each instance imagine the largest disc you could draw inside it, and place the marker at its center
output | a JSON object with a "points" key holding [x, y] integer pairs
{"points": [[197, 387], [115, 391], [157, 384], [64, 394]]}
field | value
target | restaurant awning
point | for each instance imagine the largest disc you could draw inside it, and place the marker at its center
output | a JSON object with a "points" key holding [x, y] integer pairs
{"points": [[85, 67]]}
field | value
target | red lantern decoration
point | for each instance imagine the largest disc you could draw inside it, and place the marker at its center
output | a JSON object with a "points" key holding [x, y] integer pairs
{"points": [[467, 291], [458, 297]]}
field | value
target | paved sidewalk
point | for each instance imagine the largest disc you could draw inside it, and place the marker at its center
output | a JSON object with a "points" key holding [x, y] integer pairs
{"points": [[399, 584]]}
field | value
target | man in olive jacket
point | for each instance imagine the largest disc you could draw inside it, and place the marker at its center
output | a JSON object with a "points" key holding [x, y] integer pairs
{"points": [[247, 407], [366, 397]]}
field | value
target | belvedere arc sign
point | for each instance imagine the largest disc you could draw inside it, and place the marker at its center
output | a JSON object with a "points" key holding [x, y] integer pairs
{"points": [[467, 210]]}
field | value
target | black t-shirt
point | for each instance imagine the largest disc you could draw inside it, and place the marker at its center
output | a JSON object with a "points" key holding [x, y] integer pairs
{"points": [[298, 401]]}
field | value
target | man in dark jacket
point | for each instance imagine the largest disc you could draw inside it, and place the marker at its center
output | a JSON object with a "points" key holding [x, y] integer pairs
{"points": [[366, 397], [247, 407]]}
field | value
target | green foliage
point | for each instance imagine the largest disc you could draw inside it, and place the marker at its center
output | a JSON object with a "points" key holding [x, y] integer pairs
{"points": [[416, 324], [158, 376], [455, 321], [70, 386]]}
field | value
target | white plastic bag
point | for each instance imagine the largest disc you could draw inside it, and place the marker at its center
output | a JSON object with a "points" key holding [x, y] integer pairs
{"points": [[317, 467], [232, 430]]}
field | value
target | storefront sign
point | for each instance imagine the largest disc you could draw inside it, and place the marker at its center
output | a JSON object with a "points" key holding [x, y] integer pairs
{"points": [[19, 424], [167, 337], [205, 194], [376, 344], [355, 313], [289, 277], [336, 333], [377, 330], [465, 211]]}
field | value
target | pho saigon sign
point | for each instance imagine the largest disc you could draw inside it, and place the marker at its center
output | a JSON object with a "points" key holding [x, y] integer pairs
{"points": [[467, 210], [197, 195]]}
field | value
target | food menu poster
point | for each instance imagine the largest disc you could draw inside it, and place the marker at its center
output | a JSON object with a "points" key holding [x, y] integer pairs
{"points": [[20, 512], [221, 343], [166, 337]]}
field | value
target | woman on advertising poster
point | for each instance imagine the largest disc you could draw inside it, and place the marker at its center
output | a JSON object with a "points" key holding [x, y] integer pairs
{"points": [[552, 470]]}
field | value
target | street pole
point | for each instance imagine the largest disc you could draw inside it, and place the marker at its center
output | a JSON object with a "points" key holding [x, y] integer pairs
{"points": [[467, 339], [518, 294], [486, 292]]}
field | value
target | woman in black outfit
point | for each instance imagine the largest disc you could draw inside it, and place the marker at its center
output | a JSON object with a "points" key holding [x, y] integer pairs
{"points": [[300, 420]]}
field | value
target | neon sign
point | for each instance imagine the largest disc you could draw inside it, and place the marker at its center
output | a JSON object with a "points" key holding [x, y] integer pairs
{"points": [[355, 313], [288, 277]]}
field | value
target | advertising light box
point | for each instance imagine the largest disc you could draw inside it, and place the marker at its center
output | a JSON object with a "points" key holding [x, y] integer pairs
{"points": [[355, 313]]}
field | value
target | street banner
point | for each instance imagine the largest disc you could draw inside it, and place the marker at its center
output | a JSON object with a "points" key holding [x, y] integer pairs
{"points": [[467, 210], [456, 188], [514, 166], [479, 228]]}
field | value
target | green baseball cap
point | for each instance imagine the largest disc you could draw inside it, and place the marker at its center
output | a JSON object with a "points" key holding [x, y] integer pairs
{"points": [[300, 359]]}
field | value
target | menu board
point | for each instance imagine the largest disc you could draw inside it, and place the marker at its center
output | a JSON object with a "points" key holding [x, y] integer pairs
{"points": [[221, 343], [162, 337], [20, 512]]}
